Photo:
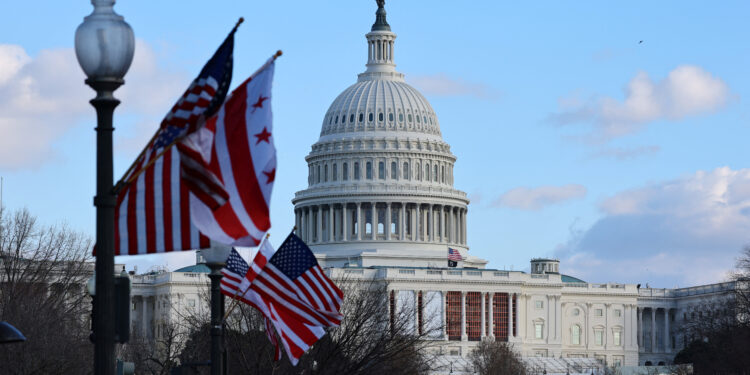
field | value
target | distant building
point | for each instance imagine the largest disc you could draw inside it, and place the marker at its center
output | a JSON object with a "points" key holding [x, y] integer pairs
{"points": [[381, 204]]}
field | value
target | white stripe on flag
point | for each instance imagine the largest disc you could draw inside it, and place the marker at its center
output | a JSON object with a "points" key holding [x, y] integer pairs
{"points": [[174, 184], [140, 212], [159, 204]]}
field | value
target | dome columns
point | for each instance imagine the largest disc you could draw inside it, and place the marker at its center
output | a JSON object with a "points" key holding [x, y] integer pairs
{"points": [[378, 221]]}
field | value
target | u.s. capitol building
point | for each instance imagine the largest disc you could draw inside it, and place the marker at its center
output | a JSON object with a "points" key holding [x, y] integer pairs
{"points": [[381, 204]]}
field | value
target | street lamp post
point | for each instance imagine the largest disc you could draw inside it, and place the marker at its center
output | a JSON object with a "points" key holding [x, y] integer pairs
{"points": [[104, 45], [216, 258]]}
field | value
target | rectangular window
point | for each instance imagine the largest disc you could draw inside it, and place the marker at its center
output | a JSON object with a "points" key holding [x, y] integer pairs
{"points": [[473, 316], [394, 170], [356, 171], [599, 312], [539, 304], [453, 315], [368, 170], [616, 337], [618, 313], [335, 174], [325, 173], [538, 329], [599, 337], [381, 170], [406, 171], [500, 316], [345, 170]]}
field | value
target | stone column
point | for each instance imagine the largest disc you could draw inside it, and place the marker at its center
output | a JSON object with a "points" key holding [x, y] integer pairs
{"points": [[491, 307], [310, 229], [145, 317], [526, 316], [344, 222], [442, 225], [634, 326], [667, 340], [430, 226], [588, 325], [549, 319], [387, 221], [625, 326], [558, 318], [464, 337], [445, 320], [606, 326], [331, 220], [463, 226], [482, 320], [374, 213], [653, 330], [417, 225], [320, 225], [359, 221], [402, 222]]}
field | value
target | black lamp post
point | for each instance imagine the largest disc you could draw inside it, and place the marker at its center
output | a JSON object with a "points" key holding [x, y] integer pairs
{"points": [[216, 258], [104, 45]]}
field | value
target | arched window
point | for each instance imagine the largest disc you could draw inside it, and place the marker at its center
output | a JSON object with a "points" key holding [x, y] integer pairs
{"points": [[335, 173], [380, 116], [409, 117], [427, 172], [390, 117], [371, 116], [368, 170], [418, 118], [356, 170], [361, 117], [442, 173], [394, 170], [435, 175], [351, 117], [418, 171], [400, 117], [425, 119], [343, 119], [345, 171], [381, 170], [406, 171], [325, 173], [575, 335], [337, 120], [318, 178]]}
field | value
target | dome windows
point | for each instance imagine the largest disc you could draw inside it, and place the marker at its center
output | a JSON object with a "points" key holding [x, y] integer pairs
{"points": [[368, 170], [394, 170], [345, 171], [351, 118], [334, 175], [427, 172], [337, 120], [381, 170], [418, 119], [356, 170], [400, 117], [406, 171], [361, 117], [390, 117], [371, 117], [409, 117], [330, 119], [380, 116], [435, 175]]}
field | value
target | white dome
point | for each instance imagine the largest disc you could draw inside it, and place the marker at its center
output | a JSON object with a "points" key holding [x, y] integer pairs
{"points": [[373, 105]]}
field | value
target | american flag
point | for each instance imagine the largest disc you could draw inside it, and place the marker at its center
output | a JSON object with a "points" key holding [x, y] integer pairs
{"points": [[230, 165], [454, 255], [290, 289], [152, 212]]}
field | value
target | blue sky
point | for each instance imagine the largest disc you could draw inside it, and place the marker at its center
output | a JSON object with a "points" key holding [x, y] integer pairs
{"points": [[626, 160]]}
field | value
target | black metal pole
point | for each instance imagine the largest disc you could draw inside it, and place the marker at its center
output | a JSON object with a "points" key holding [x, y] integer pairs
{"points": [[217, 307], [104, 324]]}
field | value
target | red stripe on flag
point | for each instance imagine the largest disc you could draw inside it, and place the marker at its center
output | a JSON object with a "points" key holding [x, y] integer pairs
{"points": [[184, 216], [166, 192], [241, 160], [203, 241]]}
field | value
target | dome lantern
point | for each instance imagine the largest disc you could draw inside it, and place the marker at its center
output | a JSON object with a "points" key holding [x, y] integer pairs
{"points": [[380, 44]]}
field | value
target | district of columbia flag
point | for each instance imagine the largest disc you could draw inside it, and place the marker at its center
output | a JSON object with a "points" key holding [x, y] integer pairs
{"points": [[230, 165]]}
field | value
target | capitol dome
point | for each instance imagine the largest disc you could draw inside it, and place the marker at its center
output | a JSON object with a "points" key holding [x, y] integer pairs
{"points": [[380, 182]]}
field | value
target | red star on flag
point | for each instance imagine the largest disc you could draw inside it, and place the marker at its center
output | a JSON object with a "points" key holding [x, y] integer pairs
{"points": [[263, 136], [259, 103], [271, 175]]}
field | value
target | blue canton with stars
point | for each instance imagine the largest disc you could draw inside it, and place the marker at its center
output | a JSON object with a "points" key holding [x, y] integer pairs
{"points": [[293, 257], [236, 264]]}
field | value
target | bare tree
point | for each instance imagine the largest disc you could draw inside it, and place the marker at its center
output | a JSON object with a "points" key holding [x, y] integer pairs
{"points": [[718, 335], [156, 356], [43, 272], [496, 357]]}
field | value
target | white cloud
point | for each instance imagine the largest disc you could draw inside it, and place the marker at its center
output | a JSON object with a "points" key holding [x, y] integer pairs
{"points": [[524, 198], [443, 85], [43, 97], [687, 231], [687, 90]]}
